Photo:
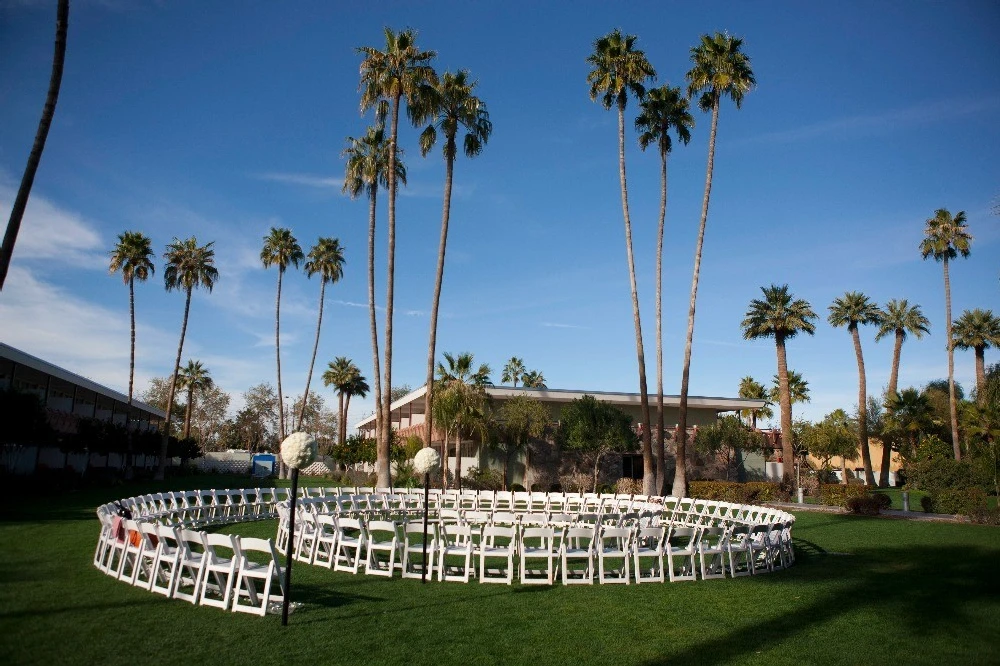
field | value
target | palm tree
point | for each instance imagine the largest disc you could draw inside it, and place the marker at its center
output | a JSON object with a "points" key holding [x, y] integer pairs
{"points": [[751, 389], [463, 407], [367, 169], [326, 258], [854, 309], [946, 237], [533, 379], [513, 371], [187, 266], [281, 249], [781, 317], [977, 329], [720, 69], [133, 256], [35, 156], [910, 414], [401, 70], [899, 318], [619, 70], [194, 377], [357, 385], [339, 374], [663, 109], [798, 388], [451, 106]]}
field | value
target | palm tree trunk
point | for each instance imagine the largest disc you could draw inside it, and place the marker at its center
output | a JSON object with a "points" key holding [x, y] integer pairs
{"points": [[442, 246], [131, 361], [981, 374], [277, 354], [952, 400], [659, 451], [371, 313], [162, 465], [883, 476], [187, 413], [444, 462], [866, 456], [340, 418], [785, 402], [680, 475], [347, 408], [843, 467], [382, 451], [458, 462], [312, 362], [35, 156], [648, 473]]}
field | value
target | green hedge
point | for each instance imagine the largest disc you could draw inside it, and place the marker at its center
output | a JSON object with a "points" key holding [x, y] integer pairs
{"points": [[837, 494], [733, 491]]}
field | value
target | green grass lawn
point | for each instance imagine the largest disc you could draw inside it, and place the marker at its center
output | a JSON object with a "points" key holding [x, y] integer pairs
{"points": [[864, 590]]}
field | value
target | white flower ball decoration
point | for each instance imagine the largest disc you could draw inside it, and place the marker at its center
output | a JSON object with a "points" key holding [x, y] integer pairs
{"points": [[427, 460], [298, 450]]}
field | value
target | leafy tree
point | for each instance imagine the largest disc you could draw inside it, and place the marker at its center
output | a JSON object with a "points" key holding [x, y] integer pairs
{"points": [[909, 416], [464, 406], [946, 237], [188, 266], [898, 318], [156, 395], [781, 317], [854, 309], [751, 389], [194, 377], [663, 110], [208, 421], [978, 330], [517, 421], [321, 423], [595, 429], [719, 69], [937, 393], [728, 437], [619, 70], [982, 423], [326, 259], [451, 105], [834, 436], [35, 156], [401, 70], [133, 257], [341, 373], [513, 371], [398, 392], [280, 249], [533, 379]]}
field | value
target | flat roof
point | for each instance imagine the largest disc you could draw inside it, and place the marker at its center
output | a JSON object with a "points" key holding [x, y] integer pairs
{"points": [[566, 395], [24, 358]]}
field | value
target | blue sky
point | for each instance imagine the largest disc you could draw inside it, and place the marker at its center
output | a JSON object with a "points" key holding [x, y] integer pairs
{"points": [[191, 118]]}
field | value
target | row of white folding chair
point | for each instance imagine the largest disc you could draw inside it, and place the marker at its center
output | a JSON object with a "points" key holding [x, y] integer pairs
{"points": [[203, 507]]}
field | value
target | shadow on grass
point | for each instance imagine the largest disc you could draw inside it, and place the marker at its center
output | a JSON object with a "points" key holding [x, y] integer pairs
{"points": [[69, 609]]}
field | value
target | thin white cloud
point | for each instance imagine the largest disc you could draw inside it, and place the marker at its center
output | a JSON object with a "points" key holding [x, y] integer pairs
{"points": [[352, 304], [309, 180], [549, 324], [51, 232]]}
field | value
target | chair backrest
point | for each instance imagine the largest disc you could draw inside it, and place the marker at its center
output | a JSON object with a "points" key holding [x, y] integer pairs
{"points": [[382, 530], [538, 537], [255, 545], [214, 541], [191, 541], [683, 536], [583, 536], [504, 518], [651, 537], [622, 534], [478, 517], [492, 532]]}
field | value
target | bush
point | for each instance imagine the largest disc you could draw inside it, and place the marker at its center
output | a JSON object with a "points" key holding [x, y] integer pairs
{"points": [[987, 516], [517, 487], [961, 501], [482, 479], [884, 501], [865, 505], [628, 486], [734, 491], [837, 494], [927, 504]]}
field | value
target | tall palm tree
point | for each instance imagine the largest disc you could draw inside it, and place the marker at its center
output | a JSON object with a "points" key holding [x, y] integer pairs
{"points": [[910, 414], [854, 309], [463, 406], [663, 110], [798, 388], [898, 318], [188, 266], [339, 374], [978, 330], [780, 316], [513, 371], [946, 237], [720, 69], [133, 256], [281, 249], [401, 70], [194, 377], [326, 259], [452, 106], [35, 156], [358, 386], [619, 70], [366, 170], [533, 379], [751, 389]]}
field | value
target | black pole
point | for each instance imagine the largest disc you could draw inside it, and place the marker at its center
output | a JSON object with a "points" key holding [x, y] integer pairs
{"points": [[427, 481], [288, 546]]}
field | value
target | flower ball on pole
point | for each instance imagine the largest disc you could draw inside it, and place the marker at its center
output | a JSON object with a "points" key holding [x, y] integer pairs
{"points": [[297, 451], [426, 462]]}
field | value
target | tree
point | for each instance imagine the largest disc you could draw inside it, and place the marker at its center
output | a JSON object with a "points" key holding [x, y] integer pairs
{"points": [[729, 436], [798, 388], [210, 418], [978, 330], [513, 371], [446, 408], [401, 70], [35, 156], [367, 169], [854, 309], [518, 420], [188, 266], [326, 259], [719, 69], [280, 249], [663, 110], [619, 70], [900, 319], [937, 394], [194, 377], [595, 429], [339, 374], [909, 416], [133, 256], [321, 423], [399, 392], [464, 407], [533, 379], [946, 237], [358, 386], [780, 316], [451, 105], [982, 421], [833, 436], [751, 389]]}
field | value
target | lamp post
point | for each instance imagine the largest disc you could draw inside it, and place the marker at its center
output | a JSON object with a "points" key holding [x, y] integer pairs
{"points": [[298, 450]]}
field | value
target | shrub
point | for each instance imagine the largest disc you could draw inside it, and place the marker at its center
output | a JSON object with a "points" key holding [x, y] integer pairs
{"points": [[734, 491], [577, 482], [961, 501], [517, 487], [482, 479], [865, 505], [884, 501], [628, 486], [837, 494], [927, 504], [986, 516]]}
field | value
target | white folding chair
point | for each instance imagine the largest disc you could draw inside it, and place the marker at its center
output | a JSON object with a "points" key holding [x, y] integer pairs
{"points": [[192, 565], [738, 550], [537, 543], [326, 541], [712, 551], [306, 527], [166, 565], [503, 500], [456, 542], [385, 552], [499, 543], [144, 570], [414, 564], [578, 545], [760, 549], [614, 545], [222, 555], [682, 543], [648, 547], [251, 572], [351, 540], [128, 563], [521, 501]]}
